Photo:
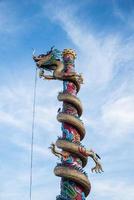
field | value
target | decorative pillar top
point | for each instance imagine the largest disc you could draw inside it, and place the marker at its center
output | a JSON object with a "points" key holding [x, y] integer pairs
{"points": [[69, 53]]}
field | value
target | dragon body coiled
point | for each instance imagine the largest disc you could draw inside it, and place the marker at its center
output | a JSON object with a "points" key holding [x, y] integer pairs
{"points": [[74, 180], [73, 131]]}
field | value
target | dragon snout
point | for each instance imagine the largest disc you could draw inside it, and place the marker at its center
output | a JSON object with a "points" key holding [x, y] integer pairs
{"points": [[36, 59]]}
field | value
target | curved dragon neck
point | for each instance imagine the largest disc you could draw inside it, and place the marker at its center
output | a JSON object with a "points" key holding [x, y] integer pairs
{"points": [[59, 73], [59, 68]]}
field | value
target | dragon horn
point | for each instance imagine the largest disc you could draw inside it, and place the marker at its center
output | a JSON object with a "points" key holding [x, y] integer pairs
{"points": [[33, 51], [98, 156], [52, 48]]}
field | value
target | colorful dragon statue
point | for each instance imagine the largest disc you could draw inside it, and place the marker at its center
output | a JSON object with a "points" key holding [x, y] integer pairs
{"points": [[74, 180]]}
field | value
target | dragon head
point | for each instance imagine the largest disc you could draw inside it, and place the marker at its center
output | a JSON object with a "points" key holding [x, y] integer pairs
{"points": [[47, 61]]}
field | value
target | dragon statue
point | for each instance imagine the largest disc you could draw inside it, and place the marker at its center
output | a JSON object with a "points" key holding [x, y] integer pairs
{"points": [[74, 180]]}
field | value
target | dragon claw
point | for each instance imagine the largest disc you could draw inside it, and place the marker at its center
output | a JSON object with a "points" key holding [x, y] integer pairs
{"points": [[41, 73], [97, 168]]}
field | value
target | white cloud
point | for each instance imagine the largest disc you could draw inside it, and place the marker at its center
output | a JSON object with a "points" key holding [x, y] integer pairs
{"points": [[9, 21], [120, 111], [16, 105], [99, 56], [14, 112], [38, 149], [9, 119], [118, 116], [113, 190], [17, 184], [114, 118]]}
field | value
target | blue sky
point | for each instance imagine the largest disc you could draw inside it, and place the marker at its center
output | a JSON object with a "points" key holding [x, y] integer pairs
{"points": [[102, 33]]}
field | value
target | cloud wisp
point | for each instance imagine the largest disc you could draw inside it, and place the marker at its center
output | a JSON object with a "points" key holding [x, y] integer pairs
{"points": [[101, 56]]}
